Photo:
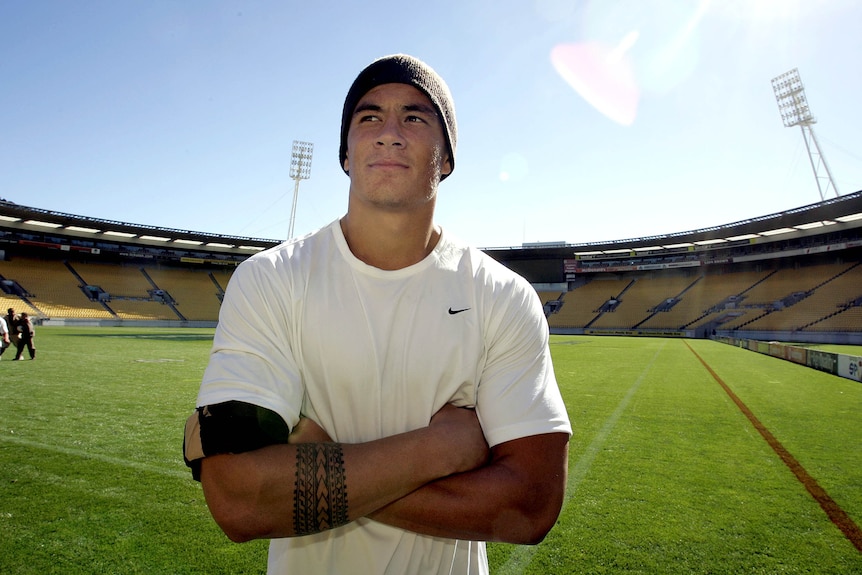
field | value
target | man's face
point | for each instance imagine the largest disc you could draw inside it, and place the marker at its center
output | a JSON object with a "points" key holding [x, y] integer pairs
{"points": [[396, 148]]}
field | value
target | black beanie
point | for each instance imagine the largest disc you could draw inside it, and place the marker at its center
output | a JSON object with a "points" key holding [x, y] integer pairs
{"points": [[402, 69]]}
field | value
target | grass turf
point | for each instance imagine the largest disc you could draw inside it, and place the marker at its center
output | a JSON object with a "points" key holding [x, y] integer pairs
{"points": [[91, 472], [666, 474]]}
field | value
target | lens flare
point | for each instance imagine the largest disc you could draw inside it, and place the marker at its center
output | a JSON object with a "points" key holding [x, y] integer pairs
{"points": [[602, 74], [513, 167]]}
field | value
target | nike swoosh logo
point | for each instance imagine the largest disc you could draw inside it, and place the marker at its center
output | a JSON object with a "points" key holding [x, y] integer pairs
{"points": [[454, 311]]}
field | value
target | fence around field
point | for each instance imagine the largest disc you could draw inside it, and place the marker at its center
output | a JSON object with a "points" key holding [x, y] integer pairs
{"points": [[840, 364]]}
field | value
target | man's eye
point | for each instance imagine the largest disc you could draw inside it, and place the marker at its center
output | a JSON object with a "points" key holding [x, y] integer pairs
{"points": [[414, 119], [368, 118]]}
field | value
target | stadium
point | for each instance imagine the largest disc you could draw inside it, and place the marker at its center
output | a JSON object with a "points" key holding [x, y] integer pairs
{"points": [[689, 456], [709, 353], [793, 276]]}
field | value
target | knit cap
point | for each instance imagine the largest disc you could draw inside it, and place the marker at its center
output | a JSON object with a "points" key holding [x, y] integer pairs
{"points": [[402, 69]]}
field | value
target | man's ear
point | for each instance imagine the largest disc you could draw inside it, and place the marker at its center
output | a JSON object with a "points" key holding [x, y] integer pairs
{"points": [[447, 167], [346, 164]]}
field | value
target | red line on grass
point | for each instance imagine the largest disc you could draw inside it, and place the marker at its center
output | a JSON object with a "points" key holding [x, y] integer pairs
{"points": [[837, 515]]}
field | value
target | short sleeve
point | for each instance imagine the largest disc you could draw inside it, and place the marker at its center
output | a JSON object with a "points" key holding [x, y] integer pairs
{"points": [[518, 394], [252, 359]]}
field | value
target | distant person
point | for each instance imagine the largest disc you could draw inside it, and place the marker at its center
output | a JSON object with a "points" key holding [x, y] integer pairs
{"points": [[5, 341], [12, 320], [380, 397], [26, 333]]}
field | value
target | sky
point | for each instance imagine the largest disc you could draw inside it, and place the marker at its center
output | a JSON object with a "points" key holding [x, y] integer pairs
{"points": [[578, 121]]}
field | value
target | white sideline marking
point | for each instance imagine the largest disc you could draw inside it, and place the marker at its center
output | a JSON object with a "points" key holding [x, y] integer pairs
{"points": [[523, 554], [87, 455]]}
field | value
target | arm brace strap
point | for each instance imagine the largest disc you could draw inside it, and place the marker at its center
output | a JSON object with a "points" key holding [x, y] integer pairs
{"points": [[230, 427]]}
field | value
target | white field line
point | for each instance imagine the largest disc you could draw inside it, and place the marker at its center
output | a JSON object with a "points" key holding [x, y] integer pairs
{"points": [[97, 456], [523, 554]]}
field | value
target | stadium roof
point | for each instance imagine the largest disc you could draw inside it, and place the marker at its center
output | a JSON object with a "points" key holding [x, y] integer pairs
{"points": [[843, 212], [20, 217]]}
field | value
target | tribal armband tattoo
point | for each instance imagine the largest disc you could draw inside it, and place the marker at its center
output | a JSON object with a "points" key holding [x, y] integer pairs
{"points": [[320, 500]]}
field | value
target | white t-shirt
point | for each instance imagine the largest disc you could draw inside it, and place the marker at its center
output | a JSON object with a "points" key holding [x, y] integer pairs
{"points": [[307, 328]]}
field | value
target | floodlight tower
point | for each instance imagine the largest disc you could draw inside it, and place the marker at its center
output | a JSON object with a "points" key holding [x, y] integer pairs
{"points": [[300, 169], [793, 106]]}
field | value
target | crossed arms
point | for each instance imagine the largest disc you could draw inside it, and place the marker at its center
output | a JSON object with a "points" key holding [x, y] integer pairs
{"points": [[440, 480]]}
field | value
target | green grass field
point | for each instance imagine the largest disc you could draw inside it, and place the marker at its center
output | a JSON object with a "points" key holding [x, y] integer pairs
{"points": [[666, 474]]}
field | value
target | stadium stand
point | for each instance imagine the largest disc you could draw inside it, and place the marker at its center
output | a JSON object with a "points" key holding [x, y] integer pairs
{"points": [[68, 268], [793, 275], [126, 289], [701, 303], [196, 292], [51, 291], [791, 264], [583, 305], [816, 308], [640, 300]]}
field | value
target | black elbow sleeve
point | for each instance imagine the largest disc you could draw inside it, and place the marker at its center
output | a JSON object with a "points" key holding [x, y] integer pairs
{"points": [[230, 427]]}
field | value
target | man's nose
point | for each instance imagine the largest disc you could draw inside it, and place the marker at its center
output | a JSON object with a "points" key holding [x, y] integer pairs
{"points": [[390, 133]]}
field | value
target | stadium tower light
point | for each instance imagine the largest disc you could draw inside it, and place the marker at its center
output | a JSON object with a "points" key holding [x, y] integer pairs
{"points": [[300, 169], [794, 109]]}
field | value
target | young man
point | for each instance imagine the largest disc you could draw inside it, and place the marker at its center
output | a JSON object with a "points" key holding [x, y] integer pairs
{"points": [[380, 397], [12, 320], [26, 333]]}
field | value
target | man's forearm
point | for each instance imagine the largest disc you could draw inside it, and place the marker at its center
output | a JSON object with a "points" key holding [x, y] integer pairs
{"points": [[296, 489], [516, 498], [289, 490]]}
